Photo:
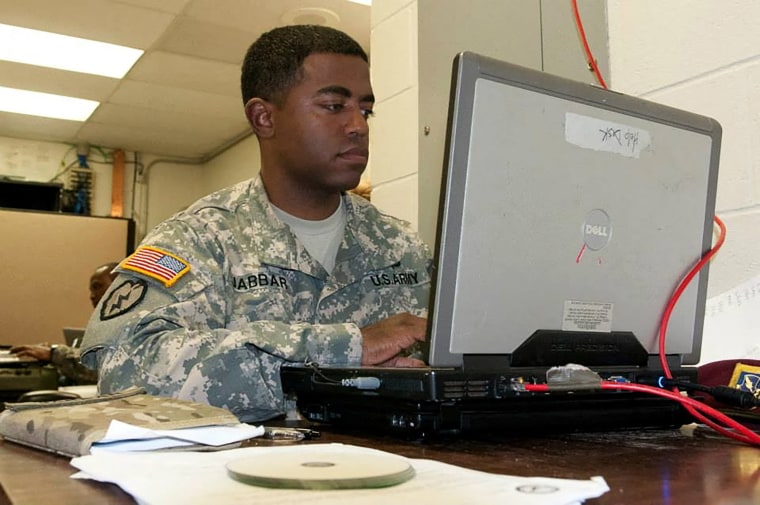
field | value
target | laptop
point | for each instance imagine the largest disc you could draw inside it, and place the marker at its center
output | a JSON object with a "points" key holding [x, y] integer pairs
{"points": [[8, 359], [568, 216], [73, 336]]}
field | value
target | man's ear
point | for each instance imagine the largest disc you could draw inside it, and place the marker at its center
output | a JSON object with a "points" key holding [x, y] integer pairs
{"points": [[259, 114]]}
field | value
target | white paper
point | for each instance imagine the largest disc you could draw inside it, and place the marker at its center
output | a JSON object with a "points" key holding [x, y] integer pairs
{"points": [[732, 324], [122, 437], [200, 478], [602, 135]]}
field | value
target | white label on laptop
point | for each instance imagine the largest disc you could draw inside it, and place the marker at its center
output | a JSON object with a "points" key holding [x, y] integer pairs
{"points": [[587, 316], [600, 135]]}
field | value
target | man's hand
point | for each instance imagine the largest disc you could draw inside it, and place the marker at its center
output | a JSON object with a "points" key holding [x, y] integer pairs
{"points": [[385, 341], [38, 352]]}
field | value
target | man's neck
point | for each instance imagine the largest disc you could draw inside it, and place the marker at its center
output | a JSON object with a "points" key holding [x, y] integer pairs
{"points": [[298, 201]]}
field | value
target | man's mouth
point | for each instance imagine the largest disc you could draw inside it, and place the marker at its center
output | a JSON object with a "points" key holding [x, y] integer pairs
{"points": [[355, 154]]}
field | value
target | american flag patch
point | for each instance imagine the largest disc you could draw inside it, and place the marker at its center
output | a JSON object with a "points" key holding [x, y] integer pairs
{"points": [[158, 264]]}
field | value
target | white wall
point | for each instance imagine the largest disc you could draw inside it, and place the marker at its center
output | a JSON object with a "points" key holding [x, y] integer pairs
{"points": [[413, 46], [165, 187], [171, 185], [162, 187], [703, 56], [36, 161], [238, 163], [393, 129]]}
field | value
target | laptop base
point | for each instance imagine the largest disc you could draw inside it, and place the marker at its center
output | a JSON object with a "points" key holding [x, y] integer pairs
{"points": [[423, 403]]}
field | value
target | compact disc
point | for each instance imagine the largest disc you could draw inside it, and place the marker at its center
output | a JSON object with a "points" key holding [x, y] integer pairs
{"points": [[322, 470]]}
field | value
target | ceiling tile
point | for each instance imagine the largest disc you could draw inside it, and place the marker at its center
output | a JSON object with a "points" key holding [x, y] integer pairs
{"points": [[177, 100], [257, 16], [37, 128], [250, 16], [58, 82], [182, 98], [211, 41], [187, 72], [192, 145], [171, 6], [164, 121], [103, 20]]}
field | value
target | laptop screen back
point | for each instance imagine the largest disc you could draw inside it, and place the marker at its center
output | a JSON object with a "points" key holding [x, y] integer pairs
{"points": [[567, 208], [73, 336]]}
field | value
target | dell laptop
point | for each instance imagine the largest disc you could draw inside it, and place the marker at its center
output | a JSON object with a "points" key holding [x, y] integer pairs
{"points": [[73, 336], [568, 216]]}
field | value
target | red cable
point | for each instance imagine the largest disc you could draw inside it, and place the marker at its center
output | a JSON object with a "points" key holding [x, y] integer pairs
{"points": [[698, 410], [691, 406], [663, 332], [586, 48], [679, 291], [741, 433]]}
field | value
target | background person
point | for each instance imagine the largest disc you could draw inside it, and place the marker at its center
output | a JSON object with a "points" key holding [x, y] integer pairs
{"points": [[64, 358]]}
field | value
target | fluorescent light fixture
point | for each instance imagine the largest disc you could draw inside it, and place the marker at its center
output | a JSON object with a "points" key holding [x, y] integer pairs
{"points": [[46, 49], [34, 103], [363, 2]]}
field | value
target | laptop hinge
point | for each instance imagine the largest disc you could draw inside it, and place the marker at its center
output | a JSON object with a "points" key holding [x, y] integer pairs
{"points": [[675, 361], [486, 362], [555, 348]]}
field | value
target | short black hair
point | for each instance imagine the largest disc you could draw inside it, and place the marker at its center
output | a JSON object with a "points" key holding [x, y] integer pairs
{"points": [[272, 64]]}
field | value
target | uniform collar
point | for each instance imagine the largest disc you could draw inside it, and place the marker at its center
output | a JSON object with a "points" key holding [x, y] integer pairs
{"points": [[366, 246]]}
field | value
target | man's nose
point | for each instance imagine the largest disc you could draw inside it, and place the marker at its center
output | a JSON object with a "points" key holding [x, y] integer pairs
{"points": [[357, 123]]}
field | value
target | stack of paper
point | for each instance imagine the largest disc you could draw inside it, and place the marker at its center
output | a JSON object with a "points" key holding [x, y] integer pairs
{"points": [[123, 437], [190, 478]]}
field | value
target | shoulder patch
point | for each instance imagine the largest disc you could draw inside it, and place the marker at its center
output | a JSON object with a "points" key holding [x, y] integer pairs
{"points": [[157, 264], [123, 299], [746, 378]]}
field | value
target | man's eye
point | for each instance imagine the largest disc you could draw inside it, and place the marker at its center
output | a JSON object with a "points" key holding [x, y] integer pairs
{"points": [[334, 107], [368, 113]]}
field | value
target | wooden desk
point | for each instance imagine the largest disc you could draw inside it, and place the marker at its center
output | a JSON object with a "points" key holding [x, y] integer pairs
{"points": [[643, 468]]}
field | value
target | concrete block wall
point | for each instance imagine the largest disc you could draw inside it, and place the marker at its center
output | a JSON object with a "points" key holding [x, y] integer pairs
{"points": [[413, 46], [703, 56], [396, 122]]}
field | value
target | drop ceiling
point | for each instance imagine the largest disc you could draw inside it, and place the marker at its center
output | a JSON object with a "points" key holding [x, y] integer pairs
{"points": [[182, 97]]}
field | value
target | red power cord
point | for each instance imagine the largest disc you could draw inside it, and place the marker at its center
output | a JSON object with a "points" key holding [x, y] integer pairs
{"points": [[586, 48], [698, 410]]}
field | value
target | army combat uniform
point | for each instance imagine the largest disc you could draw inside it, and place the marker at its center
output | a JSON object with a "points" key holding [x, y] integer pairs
{"points": [[66, 360], [219, 296]]}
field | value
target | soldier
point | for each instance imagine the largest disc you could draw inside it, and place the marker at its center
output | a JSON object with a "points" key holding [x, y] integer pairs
{"points": [[279, 268], [64, 358]]}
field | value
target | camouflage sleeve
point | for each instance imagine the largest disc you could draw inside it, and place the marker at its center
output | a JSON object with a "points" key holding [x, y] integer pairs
{"points": [[180, 341], [66, 361], [165, 348]]}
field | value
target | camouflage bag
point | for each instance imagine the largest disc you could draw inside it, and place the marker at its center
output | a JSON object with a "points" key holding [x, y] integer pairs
{"points": [[70, 427]]}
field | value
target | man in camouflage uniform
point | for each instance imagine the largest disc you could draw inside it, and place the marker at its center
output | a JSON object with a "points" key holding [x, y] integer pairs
{"points": [[285, 267], [65, 359]]}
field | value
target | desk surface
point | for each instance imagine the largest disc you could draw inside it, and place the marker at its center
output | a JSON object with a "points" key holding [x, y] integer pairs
{"points": [[656, 467]]}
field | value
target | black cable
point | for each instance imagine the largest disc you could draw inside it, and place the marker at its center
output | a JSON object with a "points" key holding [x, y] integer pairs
{"points": [[723, 394]]}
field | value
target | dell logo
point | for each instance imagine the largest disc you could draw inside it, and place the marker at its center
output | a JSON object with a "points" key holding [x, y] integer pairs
{"points": [[597, 230]]}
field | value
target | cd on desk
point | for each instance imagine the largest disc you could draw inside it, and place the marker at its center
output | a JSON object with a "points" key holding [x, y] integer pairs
{"points": [[323, 470]]}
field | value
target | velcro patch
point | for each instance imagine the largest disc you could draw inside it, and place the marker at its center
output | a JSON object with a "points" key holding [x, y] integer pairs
{"points": [[122, 299], [746, 378], [157, 264]]}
